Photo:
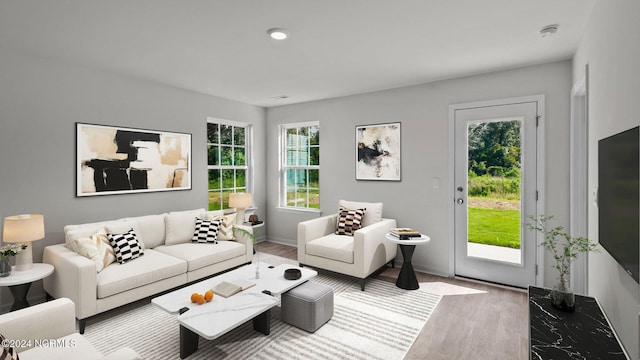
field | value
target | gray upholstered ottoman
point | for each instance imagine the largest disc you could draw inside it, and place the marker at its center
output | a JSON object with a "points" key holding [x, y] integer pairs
{"points": [[307, 306]]}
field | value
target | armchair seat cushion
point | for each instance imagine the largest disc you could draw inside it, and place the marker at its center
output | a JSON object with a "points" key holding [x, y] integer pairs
{"points": [[206, 253], [153, 266], [333, 246]]}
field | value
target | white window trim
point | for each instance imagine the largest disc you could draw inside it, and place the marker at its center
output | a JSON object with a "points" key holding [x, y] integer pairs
{"points": [[282, 169], [248, 151]]}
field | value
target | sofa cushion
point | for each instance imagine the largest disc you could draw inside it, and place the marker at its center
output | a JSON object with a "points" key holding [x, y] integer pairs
{"points": [[332, 246], [74, 232], [153, 266], [96, 248], [152, 229], [74, 346], [200, 255], [213, 213], [349, 220], [206, 231], [180, 226], [225, 231], [373, 214]]}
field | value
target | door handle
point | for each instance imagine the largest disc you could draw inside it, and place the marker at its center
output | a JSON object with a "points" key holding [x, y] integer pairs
{"points": [[460, 201]]}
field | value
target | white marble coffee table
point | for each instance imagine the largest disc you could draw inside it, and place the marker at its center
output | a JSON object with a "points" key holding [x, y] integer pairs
{"points": [[213, 319]]}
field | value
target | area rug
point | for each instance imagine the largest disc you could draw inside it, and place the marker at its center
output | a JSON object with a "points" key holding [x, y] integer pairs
{"points": [[379, 323]]}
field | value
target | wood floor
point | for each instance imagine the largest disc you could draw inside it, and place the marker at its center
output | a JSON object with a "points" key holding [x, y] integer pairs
{"points": [[491, 325]]}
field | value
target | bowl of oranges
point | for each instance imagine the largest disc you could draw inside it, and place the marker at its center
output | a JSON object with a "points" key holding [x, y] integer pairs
{"points": [[200, 299]]}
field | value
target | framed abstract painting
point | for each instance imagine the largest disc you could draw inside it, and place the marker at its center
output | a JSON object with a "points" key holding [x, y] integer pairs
{"points": [[119, 160], [378, 152]]}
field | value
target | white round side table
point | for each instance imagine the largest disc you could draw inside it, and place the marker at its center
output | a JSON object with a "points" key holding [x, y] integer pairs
{"points": [[19, 283], [407, 278]]}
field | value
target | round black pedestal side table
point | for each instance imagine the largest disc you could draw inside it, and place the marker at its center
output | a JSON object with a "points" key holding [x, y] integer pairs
{"points": [[19, 283], [407, 278]]}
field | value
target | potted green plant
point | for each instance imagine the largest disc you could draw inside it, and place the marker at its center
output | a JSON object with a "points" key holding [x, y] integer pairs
{"points": [[565, 249], [6, 253]]}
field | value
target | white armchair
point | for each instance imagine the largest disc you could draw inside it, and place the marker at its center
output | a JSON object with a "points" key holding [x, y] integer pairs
{"points": [[359, 255], [48, 331]]}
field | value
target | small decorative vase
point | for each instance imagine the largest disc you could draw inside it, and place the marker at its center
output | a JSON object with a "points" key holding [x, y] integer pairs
{"points": [[5, 266], [257, 265], [562, 297]]}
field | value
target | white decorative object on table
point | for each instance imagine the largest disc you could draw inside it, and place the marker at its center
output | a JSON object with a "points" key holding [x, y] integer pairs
{"points": [[23, 229], [240, 201], [6, 253]]}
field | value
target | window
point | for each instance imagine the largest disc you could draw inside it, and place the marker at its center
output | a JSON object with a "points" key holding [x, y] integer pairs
{"points": [[300, 163], [228, 153]]}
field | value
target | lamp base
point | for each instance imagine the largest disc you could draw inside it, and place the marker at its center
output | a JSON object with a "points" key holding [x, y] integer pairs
{"points": [[239, 216], [24, 259]]}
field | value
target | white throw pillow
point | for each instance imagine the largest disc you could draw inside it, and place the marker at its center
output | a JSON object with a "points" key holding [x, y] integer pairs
{"points": [[96, 248], [225, 232], [180, 226], [74, 232], [373, 214]]}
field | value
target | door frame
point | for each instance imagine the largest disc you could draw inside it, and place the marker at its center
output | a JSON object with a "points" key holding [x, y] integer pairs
{"points": [[579, 180], [540, 171]]}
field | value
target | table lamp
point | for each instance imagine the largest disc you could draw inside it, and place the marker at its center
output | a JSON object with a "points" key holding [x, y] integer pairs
{"points": [[23, 229], [240, 201]]}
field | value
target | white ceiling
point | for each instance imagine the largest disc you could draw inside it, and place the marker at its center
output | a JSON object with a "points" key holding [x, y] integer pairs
{"points": [[336, 47]]}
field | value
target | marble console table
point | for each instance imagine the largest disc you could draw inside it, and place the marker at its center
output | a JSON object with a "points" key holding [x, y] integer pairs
{"points": [[583, 334]]}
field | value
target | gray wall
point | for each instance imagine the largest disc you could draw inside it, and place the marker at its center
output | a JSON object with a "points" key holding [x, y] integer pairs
{"points": [[40, 102], [611, 48], [423, 111]]}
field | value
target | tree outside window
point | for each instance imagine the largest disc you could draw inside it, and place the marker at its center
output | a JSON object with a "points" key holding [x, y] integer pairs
{"points": [[227, 152], [301, 166]]}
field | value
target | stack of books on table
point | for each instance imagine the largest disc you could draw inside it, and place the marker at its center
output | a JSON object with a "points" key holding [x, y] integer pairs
{"points": [[405, 233]]}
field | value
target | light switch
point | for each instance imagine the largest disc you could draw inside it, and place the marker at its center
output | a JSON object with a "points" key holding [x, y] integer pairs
{"points": [[436, 182]]}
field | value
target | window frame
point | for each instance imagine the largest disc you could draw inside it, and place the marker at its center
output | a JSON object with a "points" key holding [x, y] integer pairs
{"points": [[247, 167], [284, 167]]}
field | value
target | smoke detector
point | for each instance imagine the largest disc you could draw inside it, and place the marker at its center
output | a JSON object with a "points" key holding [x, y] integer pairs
{"points": [[548, 30]]}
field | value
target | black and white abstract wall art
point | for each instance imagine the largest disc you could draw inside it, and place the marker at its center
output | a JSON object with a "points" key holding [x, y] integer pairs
{"points": [[378, 152], [117, 160]]}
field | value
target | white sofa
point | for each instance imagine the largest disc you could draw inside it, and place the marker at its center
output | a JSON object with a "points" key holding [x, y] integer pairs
{"points": [[170, 260], [49, 332], [359, 255]]}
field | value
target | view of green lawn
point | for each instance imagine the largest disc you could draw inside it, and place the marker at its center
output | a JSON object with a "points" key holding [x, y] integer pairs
{"points": [[494, 183], [494, 227]]}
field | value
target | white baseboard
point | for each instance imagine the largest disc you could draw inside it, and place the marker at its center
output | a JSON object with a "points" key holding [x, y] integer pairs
{"points": [[283, 241]]}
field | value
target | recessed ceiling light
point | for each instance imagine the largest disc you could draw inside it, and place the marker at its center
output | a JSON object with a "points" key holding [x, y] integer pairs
{"points": [[279, 97], [548, 30], [277, 34]]}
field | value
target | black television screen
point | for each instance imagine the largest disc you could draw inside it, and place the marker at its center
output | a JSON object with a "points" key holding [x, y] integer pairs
{"points": [[619, 198]]}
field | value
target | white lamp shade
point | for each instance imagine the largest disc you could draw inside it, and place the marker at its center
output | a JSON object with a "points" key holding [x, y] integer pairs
{"points": [[240, 200], [23, 228]]}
